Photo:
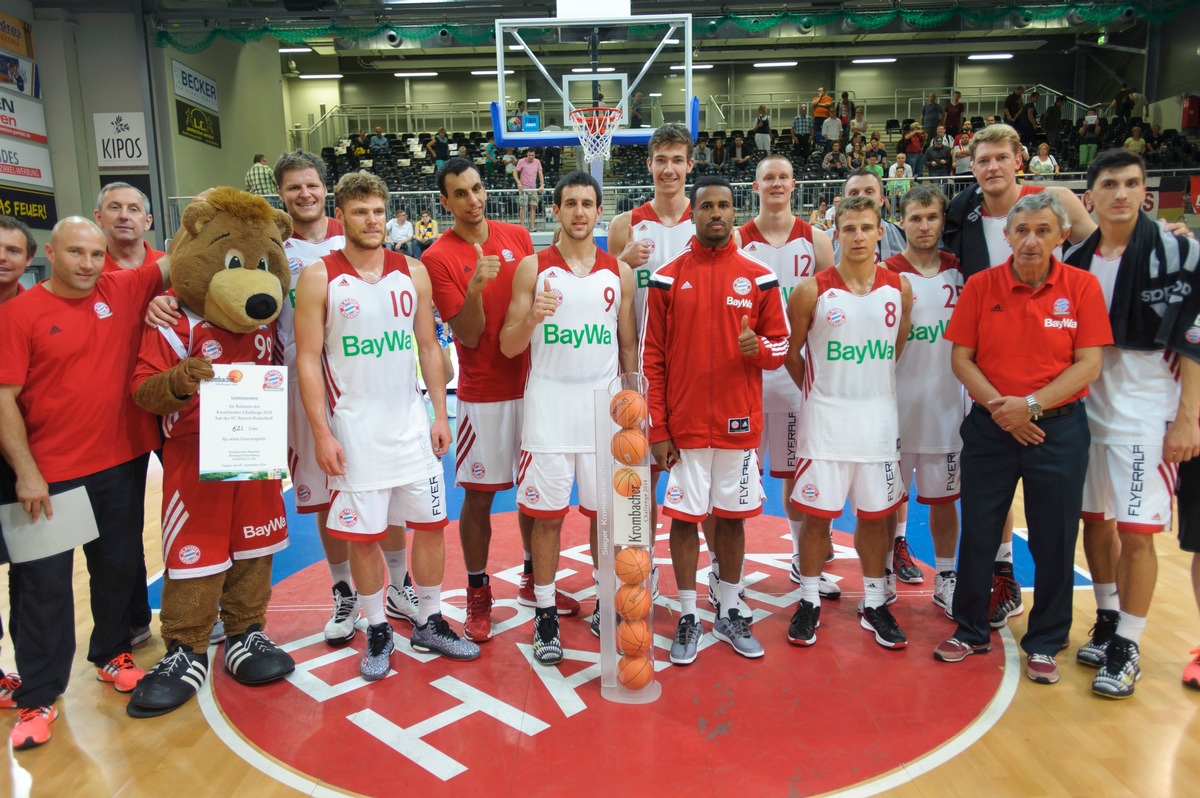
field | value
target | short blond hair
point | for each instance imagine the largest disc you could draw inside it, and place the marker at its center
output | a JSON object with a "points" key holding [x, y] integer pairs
{"points": [[358, 186], [996, 134]]}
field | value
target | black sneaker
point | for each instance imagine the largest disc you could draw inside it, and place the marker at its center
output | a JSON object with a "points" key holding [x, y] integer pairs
{"points": [[547, 648], [906, 568], [802, 631], [1094, 652], [172, 681], [595, 624], [887, 632], [252, 658]]}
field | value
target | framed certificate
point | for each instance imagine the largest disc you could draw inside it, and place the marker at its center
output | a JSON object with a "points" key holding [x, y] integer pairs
{"points": [[243, 423]]}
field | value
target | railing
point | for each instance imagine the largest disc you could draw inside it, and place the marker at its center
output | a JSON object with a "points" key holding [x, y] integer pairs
{"points": [[982, 100]]}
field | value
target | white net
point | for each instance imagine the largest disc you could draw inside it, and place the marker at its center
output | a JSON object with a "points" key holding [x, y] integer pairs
{"points": [[595, 128]]}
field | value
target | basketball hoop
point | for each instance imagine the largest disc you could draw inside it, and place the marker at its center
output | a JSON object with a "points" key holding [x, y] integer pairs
{"points": [[595, 128]]}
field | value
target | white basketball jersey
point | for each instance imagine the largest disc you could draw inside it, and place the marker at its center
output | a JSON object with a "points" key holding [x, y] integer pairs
{"points": [[573, 353], [375, 409], [301, 252], [849, 410], [666, 242], [928, 394], [792, 263]]}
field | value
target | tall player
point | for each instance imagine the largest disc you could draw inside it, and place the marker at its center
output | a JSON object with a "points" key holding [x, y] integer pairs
{"points": [[788, 245], [471, 269], [358, 313], [929, 396], [854, 319], [572, 286]]}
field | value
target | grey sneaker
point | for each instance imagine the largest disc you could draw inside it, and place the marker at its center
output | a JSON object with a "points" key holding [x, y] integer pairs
{"points": [[402, 602], [378, 660], [547, 647], [1095, 651], [734, 629], [436, 635], [687, 640], [943, 591], [340, 628]]}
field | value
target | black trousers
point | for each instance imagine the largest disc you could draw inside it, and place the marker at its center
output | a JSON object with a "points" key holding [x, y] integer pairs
{"points": [[44, 630], [1052, 474], [1188, 491]]}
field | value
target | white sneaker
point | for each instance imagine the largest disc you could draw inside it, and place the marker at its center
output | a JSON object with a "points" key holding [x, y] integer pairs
{"points": [[943, 590], [402, 602], [714, 597], [340, 628]]}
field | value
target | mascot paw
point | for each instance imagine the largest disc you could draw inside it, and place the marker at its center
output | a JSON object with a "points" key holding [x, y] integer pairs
{"points": [[172, 681], [252, 658]]}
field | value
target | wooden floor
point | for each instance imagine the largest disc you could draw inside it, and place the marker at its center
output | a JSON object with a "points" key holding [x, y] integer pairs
{"points": [[1051, 740]]}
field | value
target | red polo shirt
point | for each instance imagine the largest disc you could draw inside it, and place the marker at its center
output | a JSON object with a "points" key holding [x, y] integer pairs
{"points": [[152, 256], [1023, 338]]}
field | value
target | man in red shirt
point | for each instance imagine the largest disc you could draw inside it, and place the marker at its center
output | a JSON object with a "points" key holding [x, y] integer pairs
{"points": [[713, 318], [1028, 337], [123, 213], [64, 426], [471, 268]]}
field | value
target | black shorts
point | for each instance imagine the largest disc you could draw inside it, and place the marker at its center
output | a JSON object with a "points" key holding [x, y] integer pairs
{"points": [[1188, 492]]}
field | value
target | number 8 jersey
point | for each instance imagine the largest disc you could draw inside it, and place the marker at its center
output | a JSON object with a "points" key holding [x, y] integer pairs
{"points": [[376, 411], [849, 410]]}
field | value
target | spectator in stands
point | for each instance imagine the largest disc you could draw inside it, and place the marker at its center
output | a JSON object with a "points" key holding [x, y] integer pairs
{"points": [[876, 146], [990, 120], [702, 157], [802, 133], [845, 111], [954, 114], [1043, 165], [1122, 104], [359, 140], [439, 147], [941, 135], [1052, 121], [552, 156], [531, 182], [962, 149], [635, 110], [822, 109], [1136, 144], [817, 217], [260, 178], [832, 211], [835, 166], [938, 157], [873, 166], [1026, 123], [831, 130], [931, 116], [509, 159], [1156, 137], [719, 155], [739, 156], [856, 156], [491, 154], [1012, 106], [762, 131], [858, 125], [900, 179], [1139, 104], [912, 146], [399, 235], [379, 143], [427, 231], [1089, 140]]}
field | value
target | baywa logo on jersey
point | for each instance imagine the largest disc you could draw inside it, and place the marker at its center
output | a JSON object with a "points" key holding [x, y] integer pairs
{"points": [[575, 338], [103, 311], [349, 308], [532, 496], [1062, 306], [295, 265], [273, 380], [478, 471], [348, 518], [303, 493], [1192, 335], [836, 317], [810, 493], [189, 555], [211, 349], [250, 531], [674, 494], [742, 286]]}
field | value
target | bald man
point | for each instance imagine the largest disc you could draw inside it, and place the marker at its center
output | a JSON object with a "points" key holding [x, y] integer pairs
{"points": [[67, 420]]}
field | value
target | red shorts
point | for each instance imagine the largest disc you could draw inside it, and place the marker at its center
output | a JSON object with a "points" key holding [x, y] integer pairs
{"points": [[207, 525]]}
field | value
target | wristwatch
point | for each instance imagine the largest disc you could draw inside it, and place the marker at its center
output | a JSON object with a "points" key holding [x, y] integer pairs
{"points": [[1035, 409]]}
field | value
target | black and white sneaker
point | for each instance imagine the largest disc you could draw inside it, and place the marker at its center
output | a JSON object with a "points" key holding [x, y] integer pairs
{"points": [[1094, 652], [252, 658], [340, 628], [802, 631], [887, 632], [436, 635], [172, 681], [547, 648], [402, 601], [1120, 671]]}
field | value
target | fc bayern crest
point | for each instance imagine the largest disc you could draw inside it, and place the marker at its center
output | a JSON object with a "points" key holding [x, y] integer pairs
{"points": [[477, 470], [1193, 335], [836, 317], [674, 494], [532, 496], [810, 493], [303, 493], [295, 266], [273, 380], [211, 349], [103, 311], [742, 286], [558, 296], [1062, 306], [349, 308], [189, 555], [348, 517]]}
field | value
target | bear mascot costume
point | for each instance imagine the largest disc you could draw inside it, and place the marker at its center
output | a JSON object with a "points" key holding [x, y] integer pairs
{"points": [[230, 274]]}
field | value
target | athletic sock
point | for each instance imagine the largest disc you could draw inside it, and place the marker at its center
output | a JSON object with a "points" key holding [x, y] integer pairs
{"points": [[397, 566], [372, 607], [810, 589], [728, 596], [687, 603], [340, 571], [901, 529], [1131, 627], [875, 589], [1004, 554], [794, 527], [477, 579], [528, 563], [544, 596], [890, 565], [943, 564], [429, 601], [1106, 596]]}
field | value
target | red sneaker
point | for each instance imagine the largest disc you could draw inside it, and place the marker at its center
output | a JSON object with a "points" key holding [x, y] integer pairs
{"points": [[33, 727], [122, 671], [478, 627], [562, 602], [1191, 671], [8, 685]]}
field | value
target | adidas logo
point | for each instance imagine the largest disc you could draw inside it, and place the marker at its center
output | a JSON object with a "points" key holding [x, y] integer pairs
{"points": [[831, 294], [686, 284], [997, 309], [343, 281], [1156, 517], [54, 328]]}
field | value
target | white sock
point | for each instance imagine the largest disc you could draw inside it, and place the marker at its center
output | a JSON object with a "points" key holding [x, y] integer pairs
{"points": [[876, 591], [687, 603], [372, 607], [891, 560], [429, 601], [340, 571], [397, 566], [901, 529], [728, 596], [794, 527], [1004, 553], [544, 595], [1106, 596], [943, 564], [810, 589], [1131, 627]]}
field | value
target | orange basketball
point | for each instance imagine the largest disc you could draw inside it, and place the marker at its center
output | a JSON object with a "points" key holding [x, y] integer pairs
{"points": [[633, 602], [626, 482], [634, 638], [632, 565], [629, 446], [635, 672], [628, 408]]}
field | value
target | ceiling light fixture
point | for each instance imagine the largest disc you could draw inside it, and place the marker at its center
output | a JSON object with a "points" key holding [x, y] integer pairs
{"points": [[873, 61], [990, 57], [330, 76], [415, 74], [770, 64]]}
